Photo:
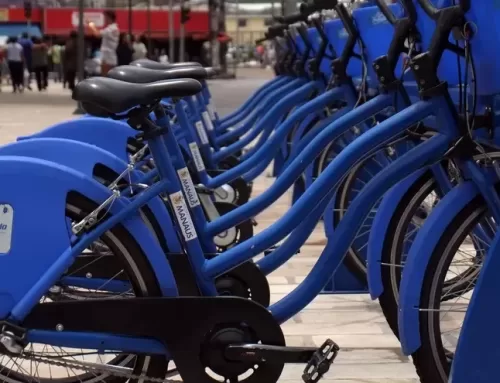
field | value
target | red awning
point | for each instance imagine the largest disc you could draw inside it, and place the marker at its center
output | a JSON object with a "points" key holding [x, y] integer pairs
{"points": [[61, 21], [222, 37]]}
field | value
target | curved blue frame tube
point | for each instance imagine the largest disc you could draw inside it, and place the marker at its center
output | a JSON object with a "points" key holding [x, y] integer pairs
{"points": [[259, 111], [250, 103], [292, 172], [319, 189], [347, 229], [269, 121], [292, 244], [263, 157]]}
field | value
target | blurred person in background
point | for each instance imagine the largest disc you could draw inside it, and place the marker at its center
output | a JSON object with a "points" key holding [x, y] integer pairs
{"points": [[163, 57], [27, 45], [140, 49], [110, 36], [40, 62], [271, 52], [124, 51], [70, 59], [259, 54], [92, 65], [55, 53], [15, 60]]}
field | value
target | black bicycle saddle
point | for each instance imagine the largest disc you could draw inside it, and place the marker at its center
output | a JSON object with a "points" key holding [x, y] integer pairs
{"points": [[150, 64], [140, 75], [103, 96]]}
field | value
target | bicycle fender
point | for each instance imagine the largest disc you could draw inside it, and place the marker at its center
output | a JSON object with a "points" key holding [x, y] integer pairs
{"points": [[73, 154], [480, 328], [37, 221], [329, 217], [84, 158], [378, 232], [107, 134], [418, 259]]}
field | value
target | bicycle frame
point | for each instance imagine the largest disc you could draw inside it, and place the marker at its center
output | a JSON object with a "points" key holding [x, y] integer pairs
{"points": [[423, 155], [266, 124], [206, 269], [260, 109], [249, 105]]}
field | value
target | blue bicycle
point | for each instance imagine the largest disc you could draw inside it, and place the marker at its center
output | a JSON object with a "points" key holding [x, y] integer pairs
{"points": [[236, 339]]}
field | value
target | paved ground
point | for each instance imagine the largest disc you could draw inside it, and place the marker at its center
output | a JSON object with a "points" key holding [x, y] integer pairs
{"points": [[370, 353]]}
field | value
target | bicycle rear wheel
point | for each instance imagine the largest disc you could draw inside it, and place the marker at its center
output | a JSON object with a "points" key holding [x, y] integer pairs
{"points": [[137, 270], [441, 317]]}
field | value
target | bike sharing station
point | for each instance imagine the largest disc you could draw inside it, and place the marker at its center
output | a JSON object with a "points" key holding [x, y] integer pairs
{"points": [[383, 122]]}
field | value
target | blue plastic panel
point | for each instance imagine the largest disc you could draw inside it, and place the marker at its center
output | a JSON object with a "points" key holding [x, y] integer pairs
{"points": [[376, 33], [337, 35]]}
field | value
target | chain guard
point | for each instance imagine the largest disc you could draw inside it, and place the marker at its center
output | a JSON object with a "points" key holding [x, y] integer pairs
{"points": [[245, 281], [181, 324]]}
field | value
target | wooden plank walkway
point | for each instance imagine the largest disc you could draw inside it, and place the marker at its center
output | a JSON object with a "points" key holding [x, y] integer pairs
{"points": [[370, 353]]}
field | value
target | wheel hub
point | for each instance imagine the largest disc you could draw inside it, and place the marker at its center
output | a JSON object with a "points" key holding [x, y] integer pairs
{"points": [[213, 352], [230, 286]]}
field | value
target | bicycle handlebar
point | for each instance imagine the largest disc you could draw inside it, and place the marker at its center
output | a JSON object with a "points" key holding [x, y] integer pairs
{"points": [[324, 4], [276, 30], [302, 30], [346, 19], [408, 6], [308, 9], [433, 12], [290, 19]]}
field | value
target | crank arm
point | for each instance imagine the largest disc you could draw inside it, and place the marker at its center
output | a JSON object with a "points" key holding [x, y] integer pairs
{"points": [[317, 360], [260, 352], [183, 334]]}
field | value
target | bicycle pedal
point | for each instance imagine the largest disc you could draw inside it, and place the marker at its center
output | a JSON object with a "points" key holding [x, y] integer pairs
{"points": [[320, 362]]}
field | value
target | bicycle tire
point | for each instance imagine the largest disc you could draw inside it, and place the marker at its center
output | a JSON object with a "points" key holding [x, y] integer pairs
{"points": [[431, 360], [393, 248]]}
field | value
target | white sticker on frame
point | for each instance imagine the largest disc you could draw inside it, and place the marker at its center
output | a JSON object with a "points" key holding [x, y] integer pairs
{"points": [[197, 158], [183, 216]]}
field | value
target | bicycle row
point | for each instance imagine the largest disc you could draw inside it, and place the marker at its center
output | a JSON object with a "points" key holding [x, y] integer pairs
{"points": [[382, 119]]}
